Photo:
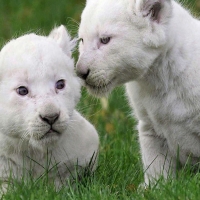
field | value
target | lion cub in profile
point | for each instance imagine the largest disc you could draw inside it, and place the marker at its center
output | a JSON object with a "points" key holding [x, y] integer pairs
{"points": [[152, 46], [38, 121]]}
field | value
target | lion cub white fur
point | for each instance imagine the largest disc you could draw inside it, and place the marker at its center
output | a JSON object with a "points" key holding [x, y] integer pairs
{"points": [[154, 47], [39, 126]]}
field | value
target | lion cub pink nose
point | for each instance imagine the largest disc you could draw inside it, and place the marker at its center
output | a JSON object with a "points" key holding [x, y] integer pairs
{"points": [[82, 72], [50, 119]]}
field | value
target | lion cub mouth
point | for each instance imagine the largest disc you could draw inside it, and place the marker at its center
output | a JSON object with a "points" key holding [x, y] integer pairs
{"points": [[101, 89], [50, 133]]}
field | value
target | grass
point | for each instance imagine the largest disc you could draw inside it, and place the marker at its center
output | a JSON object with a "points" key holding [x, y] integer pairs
{"points": [[120, 172]]}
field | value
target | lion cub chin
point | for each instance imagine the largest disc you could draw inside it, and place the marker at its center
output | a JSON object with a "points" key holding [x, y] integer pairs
{"points": [[38, 123]]}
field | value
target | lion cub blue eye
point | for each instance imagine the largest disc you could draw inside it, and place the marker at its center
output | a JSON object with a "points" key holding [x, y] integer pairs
{"points": [[105, 40], [22, 90], [60, 84]]}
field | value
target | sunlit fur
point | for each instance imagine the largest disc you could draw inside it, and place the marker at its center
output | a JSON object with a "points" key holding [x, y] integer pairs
{"points": [[26, 146], [157, 56]]}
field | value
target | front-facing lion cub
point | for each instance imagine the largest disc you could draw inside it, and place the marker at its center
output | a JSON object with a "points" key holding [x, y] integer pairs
{"points": [[38, 121]]}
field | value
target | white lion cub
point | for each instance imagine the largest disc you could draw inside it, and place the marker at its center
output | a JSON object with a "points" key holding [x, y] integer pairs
{"points": [[154, 47], [38, 121]]}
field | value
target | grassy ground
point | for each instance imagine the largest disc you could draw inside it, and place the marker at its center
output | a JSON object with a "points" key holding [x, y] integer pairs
{"points": [[120, 170]]}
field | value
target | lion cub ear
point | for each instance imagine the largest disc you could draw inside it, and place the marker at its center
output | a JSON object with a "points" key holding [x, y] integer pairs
{"points": [[152, 9], [63, 39]]}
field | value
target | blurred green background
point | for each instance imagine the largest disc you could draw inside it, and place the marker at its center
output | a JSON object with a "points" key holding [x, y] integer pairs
{"points": [[120, 170], [20, 16]]}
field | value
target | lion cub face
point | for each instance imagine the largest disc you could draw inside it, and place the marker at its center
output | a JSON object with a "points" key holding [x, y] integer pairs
{"points": [[38, 88], [119, 41]]}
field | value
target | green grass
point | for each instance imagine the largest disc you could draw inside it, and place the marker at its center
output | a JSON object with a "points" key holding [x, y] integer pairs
{"points": [[120, 172]]}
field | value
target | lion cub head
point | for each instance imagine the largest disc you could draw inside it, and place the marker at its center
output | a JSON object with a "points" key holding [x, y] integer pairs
{"points": [[38, 88], [120, 40]]}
